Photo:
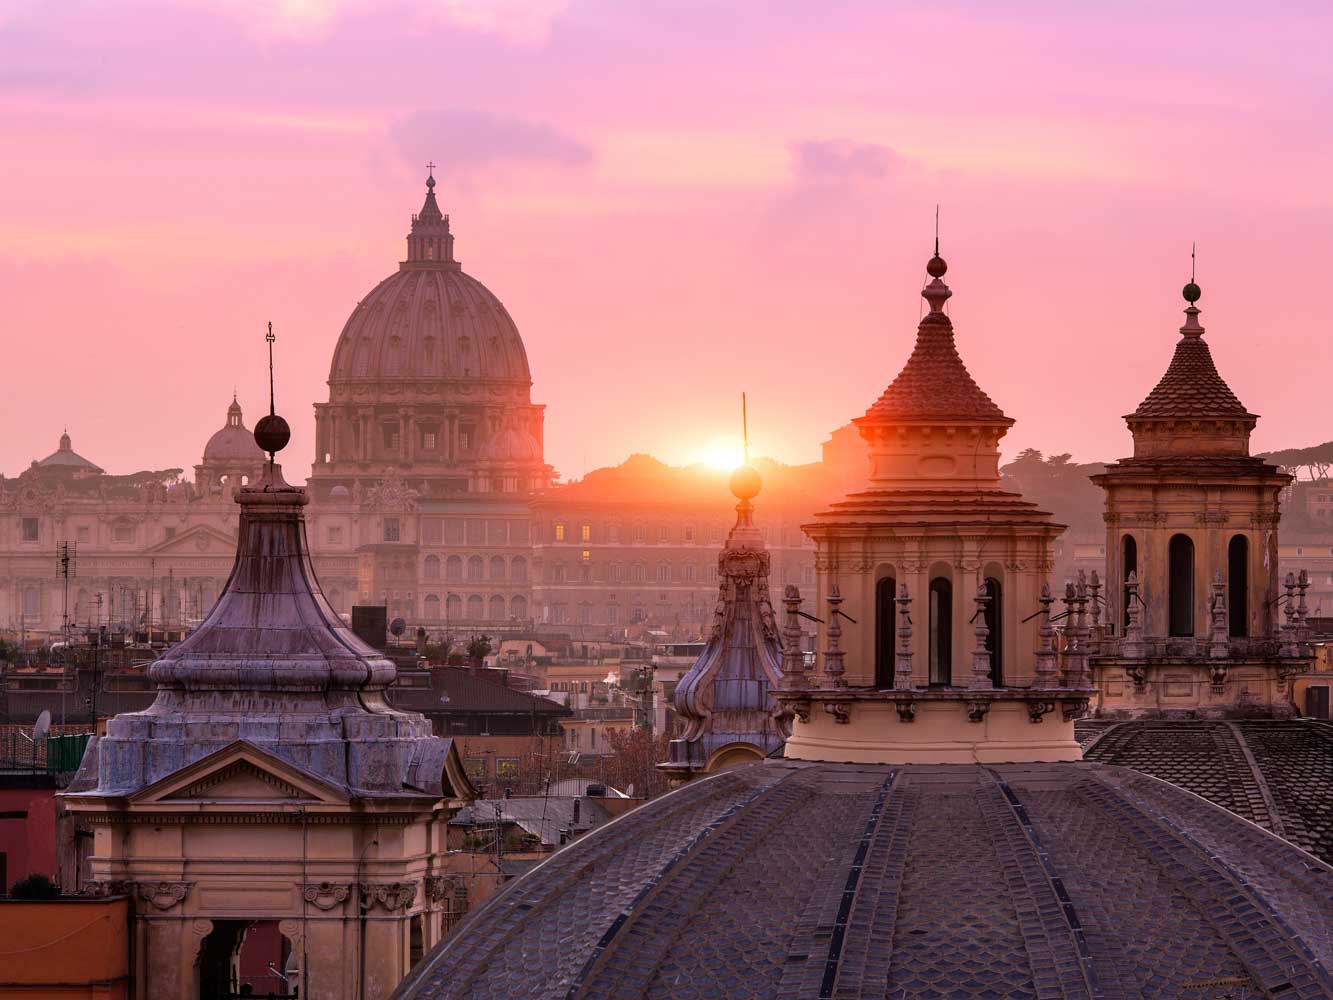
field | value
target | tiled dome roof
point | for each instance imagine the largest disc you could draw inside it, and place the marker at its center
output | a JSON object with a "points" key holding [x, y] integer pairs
{"points": [[1191, 386], [935, 384], [795, 879]]}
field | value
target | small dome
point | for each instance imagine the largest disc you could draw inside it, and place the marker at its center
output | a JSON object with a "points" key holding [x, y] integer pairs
{"points": [[65, 457], [512, 444], [234, 443], [340, 492]]}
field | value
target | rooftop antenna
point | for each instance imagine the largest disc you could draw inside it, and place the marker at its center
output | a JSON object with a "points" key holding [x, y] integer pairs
{"points": [[745, 430]]}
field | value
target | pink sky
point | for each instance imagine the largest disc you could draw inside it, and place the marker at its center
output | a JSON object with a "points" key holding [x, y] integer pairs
{"points": [[676, 201]]}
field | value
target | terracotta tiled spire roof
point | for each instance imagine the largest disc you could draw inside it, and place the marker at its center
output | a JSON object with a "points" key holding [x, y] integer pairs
{"points": [[1191, 386], [935, 384]]}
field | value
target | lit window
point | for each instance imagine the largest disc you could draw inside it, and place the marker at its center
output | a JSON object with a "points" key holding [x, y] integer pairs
{"points": [[559, 532], [585, 533], [586, 555]]}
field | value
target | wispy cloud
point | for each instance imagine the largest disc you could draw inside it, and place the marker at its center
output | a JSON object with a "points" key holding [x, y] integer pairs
{"points": [[819, 161], [517, 22], [463, 139]]}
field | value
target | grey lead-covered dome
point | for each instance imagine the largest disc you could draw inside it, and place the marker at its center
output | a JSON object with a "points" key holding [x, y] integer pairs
{"points": [[794, 879]]}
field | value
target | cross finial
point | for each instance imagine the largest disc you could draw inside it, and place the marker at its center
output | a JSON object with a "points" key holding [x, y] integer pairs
{"points": [[270, 338], [430, 168]]}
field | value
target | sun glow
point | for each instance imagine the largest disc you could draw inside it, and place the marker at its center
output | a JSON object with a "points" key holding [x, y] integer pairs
{"points": [[723, 453]]}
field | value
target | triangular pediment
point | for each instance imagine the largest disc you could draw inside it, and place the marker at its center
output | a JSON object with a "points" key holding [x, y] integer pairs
{"points": [[197, 540], [240, 773]]}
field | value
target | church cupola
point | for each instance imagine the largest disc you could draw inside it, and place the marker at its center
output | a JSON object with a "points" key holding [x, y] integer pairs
{"points": [[933, 425], [935, 641], [1192, 410], [430, 243]]}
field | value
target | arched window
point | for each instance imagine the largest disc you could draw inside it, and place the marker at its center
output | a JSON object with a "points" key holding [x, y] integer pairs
{"points": [[1238, 585], [1129, 563], [885, 592], [497, 568], [432, 568], [476, 568], [1180, 559], [518, 569], [518, 607], [453, 568], [453, 606], [475, 607], [432, 607], [497, 608], [995, 623], [941, 631]]}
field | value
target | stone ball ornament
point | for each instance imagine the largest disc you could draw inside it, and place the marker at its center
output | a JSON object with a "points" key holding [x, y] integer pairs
{"points": [[272, 433], [745, 483], [1192, 293], [936, 267]]}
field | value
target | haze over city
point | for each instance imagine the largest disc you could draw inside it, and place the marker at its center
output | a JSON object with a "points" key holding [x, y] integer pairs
{"points": [[675, 203]]}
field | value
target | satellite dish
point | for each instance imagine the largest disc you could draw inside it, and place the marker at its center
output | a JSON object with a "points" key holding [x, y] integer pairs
{"points": [[42, 727], [398, 626]]}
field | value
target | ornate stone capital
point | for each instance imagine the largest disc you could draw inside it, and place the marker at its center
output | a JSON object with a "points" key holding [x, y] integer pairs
{"points": [[1038, 710], [389, 896], [162, 895], [326, 895]]}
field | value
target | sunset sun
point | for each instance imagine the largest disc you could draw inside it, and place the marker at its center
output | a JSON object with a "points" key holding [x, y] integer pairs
{"points": [[723, 453]]}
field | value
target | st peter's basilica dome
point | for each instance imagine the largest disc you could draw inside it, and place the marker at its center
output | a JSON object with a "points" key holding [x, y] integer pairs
{"points": [[429, 320]]}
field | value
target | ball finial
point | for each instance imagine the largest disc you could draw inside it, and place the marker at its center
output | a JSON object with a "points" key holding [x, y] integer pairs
{"points": [[1192, 293], [935, 267], [272, 433], [745, 483]]}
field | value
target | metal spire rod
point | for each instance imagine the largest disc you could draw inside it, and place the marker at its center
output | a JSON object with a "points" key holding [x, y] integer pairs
{"points": [[745, 430], [937, 229], [1192, 245], [270, 338]]}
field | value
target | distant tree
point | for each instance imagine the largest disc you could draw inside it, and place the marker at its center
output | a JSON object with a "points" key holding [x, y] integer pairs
{"points": [[635, 754], [478, 647]]}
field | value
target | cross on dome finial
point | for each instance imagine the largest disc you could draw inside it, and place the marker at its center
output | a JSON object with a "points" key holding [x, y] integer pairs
{"points": [[430, 174], [1192, 293]]}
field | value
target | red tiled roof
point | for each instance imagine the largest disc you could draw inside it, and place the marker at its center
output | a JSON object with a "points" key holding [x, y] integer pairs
{"points": [[934, 384], [1191, 386]]}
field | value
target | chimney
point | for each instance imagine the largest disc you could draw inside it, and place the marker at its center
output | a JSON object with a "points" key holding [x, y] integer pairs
{"points": [[577, 803]]}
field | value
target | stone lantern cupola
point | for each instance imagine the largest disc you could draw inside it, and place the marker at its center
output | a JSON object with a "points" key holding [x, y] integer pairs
{"points": [[935, 628], [1194, 615]]}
